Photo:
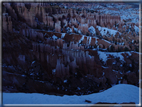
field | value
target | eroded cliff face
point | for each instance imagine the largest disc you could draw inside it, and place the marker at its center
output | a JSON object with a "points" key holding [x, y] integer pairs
{"points": [[44, 61]]}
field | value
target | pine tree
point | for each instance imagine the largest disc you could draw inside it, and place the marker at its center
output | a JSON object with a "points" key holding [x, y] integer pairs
{"points": [[112, 48], [103, 46], [126, 49]]}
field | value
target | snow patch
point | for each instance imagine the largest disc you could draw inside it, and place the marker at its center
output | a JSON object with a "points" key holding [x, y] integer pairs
{"points": [[117, 54], [69, 30], [33, 62], [104, 67], [45, 34], [106, 41], [114, 63], [104, 55], [54, 37], [104, 30], [23, 75], [53, 71], [32, 74], [90, 56], [132, 41], [90, 40], [77, 30], [103, 73], [96, 42], [78, 88], [63, 35], [82, 38], [65, 81], [117, 94], [136, 29], [119, 82], [92, 30]]}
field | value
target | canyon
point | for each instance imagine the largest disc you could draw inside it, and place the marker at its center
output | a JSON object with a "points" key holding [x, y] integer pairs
{"points": [[51, 48]]}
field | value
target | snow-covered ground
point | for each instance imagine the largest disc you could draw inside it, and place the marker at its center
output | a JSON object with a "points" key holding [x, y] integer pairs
{"points": [[104, 30], [117, 94], [104, 55]]}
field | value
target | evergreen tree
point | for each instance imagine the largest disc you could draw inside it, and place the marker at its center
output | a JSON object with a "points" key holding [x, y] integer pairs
{"points": [[126, 49], [87, 34], [112, 48], [103, 46]]}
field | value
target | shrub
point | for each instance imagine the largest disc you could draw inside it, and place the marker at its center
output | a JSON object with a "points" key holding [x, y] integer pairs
{"points": [[137, 49], [87, 34]]}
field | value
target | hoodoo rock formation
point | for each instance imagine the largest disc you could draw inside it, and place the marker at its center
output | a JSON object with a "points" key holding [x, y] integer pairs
{"points": [[50, 48]]}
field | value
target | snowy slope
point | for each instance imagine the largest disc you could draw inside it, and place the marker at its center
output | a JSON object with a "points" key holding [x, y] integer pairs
{"points": [[117, 94], [104, 55], [104, 30]]}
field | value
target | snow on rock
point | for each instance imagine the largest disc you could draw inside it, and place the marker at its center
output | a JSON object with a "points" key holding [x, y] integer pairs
{"points": [[90, 40], [63, 35], [78, 88], [104, 55], [94, 49], [119, 93], [69, 30], [90, 56], [77, 31], [128, 71], [81, 39], [65, 81], [114, 63], [54, 37], [130, 65], [104, 30], [136, 29], [106, 41], [23, 75], [53, 71], [96, 42], [117, 54], [45, 34], [129, 53], [33, 62], [92, 30]]}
